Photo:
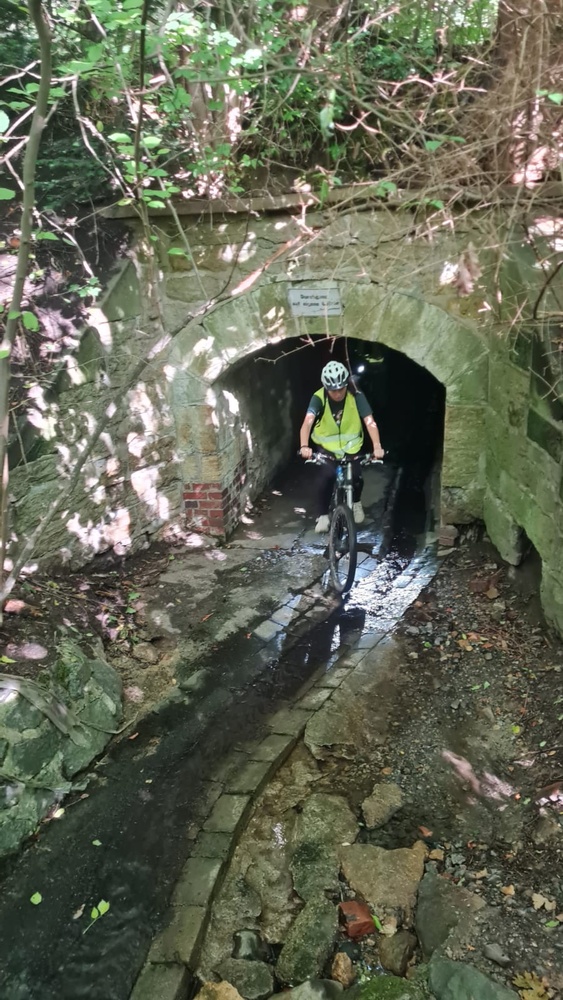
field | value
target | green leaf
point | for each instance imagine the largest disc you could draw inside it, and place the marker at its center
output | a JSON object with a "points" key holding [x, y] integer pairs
{"points": [[486, 685], [103, 906], [435, 203], [6, 195], [377, 922], [119, 137], [94, 914], [516, 730], [555, 98], [432, 144], [4, 121], [30, 321], [97, 843], [151, 141], [46, 235], [177, 252], [4, 353], [36, 898], [384, 188], [552, 923], [6, 659], [134, 595]]}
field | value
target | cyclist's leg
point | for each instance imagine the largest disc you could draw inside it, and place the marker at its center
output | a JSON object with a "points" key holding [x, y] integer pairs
{"points": [[357, 479], [324, 484]]}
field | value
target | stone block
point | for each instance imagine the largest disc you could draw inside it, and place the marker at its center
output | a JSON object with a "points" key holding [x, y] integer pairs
{"points": [[250, 778], [309, 943], [457, 981], [551, 590], [181, 939], [387, 880], [509, 392], [547, 434], [464, 446], [227, 813], [502, 529], [212, 845], [442, 906], [289, 721], [272, 748], [196, 884], [314, 699], [162, 982]]}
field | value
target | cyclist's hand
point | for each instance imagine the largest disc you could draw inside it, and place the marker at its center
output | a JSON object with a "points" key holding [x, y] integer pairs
{"points": [[378, 452], [306, 453]]}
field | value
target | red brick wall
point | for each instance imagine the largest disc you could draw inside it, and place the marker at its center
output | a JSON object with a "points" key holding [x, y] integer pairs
{"points": [[215, 508]]}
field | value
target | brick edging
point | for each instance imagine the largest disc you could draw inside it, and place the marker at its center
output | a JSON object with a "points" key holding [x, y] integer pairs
{"points": [[173, 957]]}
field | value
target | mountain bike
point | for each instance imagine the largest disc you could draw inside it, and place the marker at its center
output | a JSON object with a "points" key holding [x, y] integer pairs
{"points": [[343, 537]]}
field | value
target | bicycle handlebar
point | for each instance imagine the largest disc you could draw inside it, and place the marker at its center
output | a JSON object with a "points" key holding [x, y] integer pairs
{"points": [[318, 459]]}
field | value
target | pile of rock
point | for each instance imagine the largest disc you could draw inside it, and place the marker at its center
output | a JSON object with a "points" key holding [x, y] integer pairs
{"points": [[395, 934]]}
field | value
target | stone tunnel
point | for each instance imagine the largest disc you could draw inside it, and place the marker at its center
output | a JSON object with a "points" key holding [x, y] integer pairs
{"points": [[248, 318]]}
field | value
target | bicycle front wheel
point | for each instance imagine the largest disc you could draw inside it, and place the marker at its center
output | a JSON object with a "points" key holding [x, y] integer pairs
{"points": [[342, 549]]}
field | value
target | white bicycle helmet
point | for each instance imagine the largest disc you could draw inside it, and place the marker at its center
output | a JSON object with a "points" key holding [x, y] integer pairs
{"points": [[334, 375]]}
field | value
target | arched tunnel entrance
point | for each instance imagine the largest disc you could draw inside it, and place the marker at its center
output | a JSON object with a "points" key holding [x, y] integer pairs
{"points": [[260, 403]]}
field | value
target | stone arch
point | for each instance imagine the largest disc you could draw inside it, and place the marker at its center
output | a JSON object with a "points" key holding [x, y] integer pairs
{"points": [[448, 347]]}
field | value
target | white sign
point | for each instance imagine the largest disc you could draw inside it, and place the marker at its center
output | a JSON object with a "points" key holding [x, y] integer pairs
{"points": [[315, 302]]}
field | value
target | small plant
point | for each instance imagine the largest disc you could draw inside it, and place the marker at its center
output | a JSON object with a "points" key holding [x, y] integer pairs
{"points": [[96, 912]]}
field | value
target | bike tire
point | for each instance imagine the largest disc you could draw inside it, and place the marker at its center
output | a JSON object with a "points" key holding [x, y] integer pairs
{"points": [[342, 548]]}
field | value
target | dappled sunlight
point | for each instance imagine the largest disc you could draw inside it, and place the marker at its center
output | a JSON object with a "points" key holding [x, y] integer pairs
{"points": [[113, 533], [145, 483], [487, 786]]}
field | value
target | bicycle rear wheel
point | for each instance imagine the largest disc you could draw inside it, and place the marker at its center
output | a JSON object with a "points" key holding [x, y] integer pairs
{"points": [[342, 549]]}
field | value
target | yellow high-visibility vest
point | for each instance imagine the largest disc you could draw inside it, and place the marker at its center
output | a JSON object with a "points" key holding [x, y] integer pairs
{"points": [[348, 438]]}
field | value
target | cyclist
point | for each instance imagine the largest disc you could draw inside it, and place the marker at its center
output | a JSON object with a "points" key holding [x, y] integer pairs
{"points": [[333, 421]]}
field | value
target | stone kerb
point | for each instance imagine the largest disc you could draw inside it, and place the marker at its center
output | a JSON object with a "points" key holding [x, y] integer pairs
{"points": [[213, 459]]}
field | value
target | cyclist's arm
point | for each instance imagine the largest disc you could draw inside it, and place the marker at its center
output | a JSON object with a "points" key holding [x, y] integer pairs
{"points": [[371, 428], [305, 433]]}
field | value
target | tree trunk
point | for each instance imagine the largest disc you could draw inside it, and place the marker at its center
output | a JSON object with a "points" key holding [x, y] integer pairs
{"points": [[524, 62], [28, 204]]}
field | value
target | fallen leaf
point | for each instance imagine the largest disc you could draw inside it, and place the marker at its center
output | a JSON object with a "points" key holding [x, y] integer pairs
{"points": [[482, 874], [78, 913], [425, 831], [507, 890], [538, 900], [206, 617], [550, 905], [492, 593], [387, 770], [437, 854], [133, 736]]}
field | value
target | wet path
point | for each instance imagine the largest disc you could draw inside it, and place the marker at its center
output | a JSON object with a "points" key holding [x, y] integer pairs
{"points": [[149, 792]]}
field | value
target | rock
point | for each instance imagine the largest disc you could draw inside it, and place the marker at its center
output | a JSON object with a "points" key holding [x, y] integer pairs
{"points": [[314, 868], [309, 943], [357, 919], [343, 970], [384, 802], [248, 944], [495, 954], [326, 819], [387, 988], [145, 653], [218, 991], [253, 980], [395, 952], [316, 989], [441, 907], [387, 880], [545, 828], [456, 981]]}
